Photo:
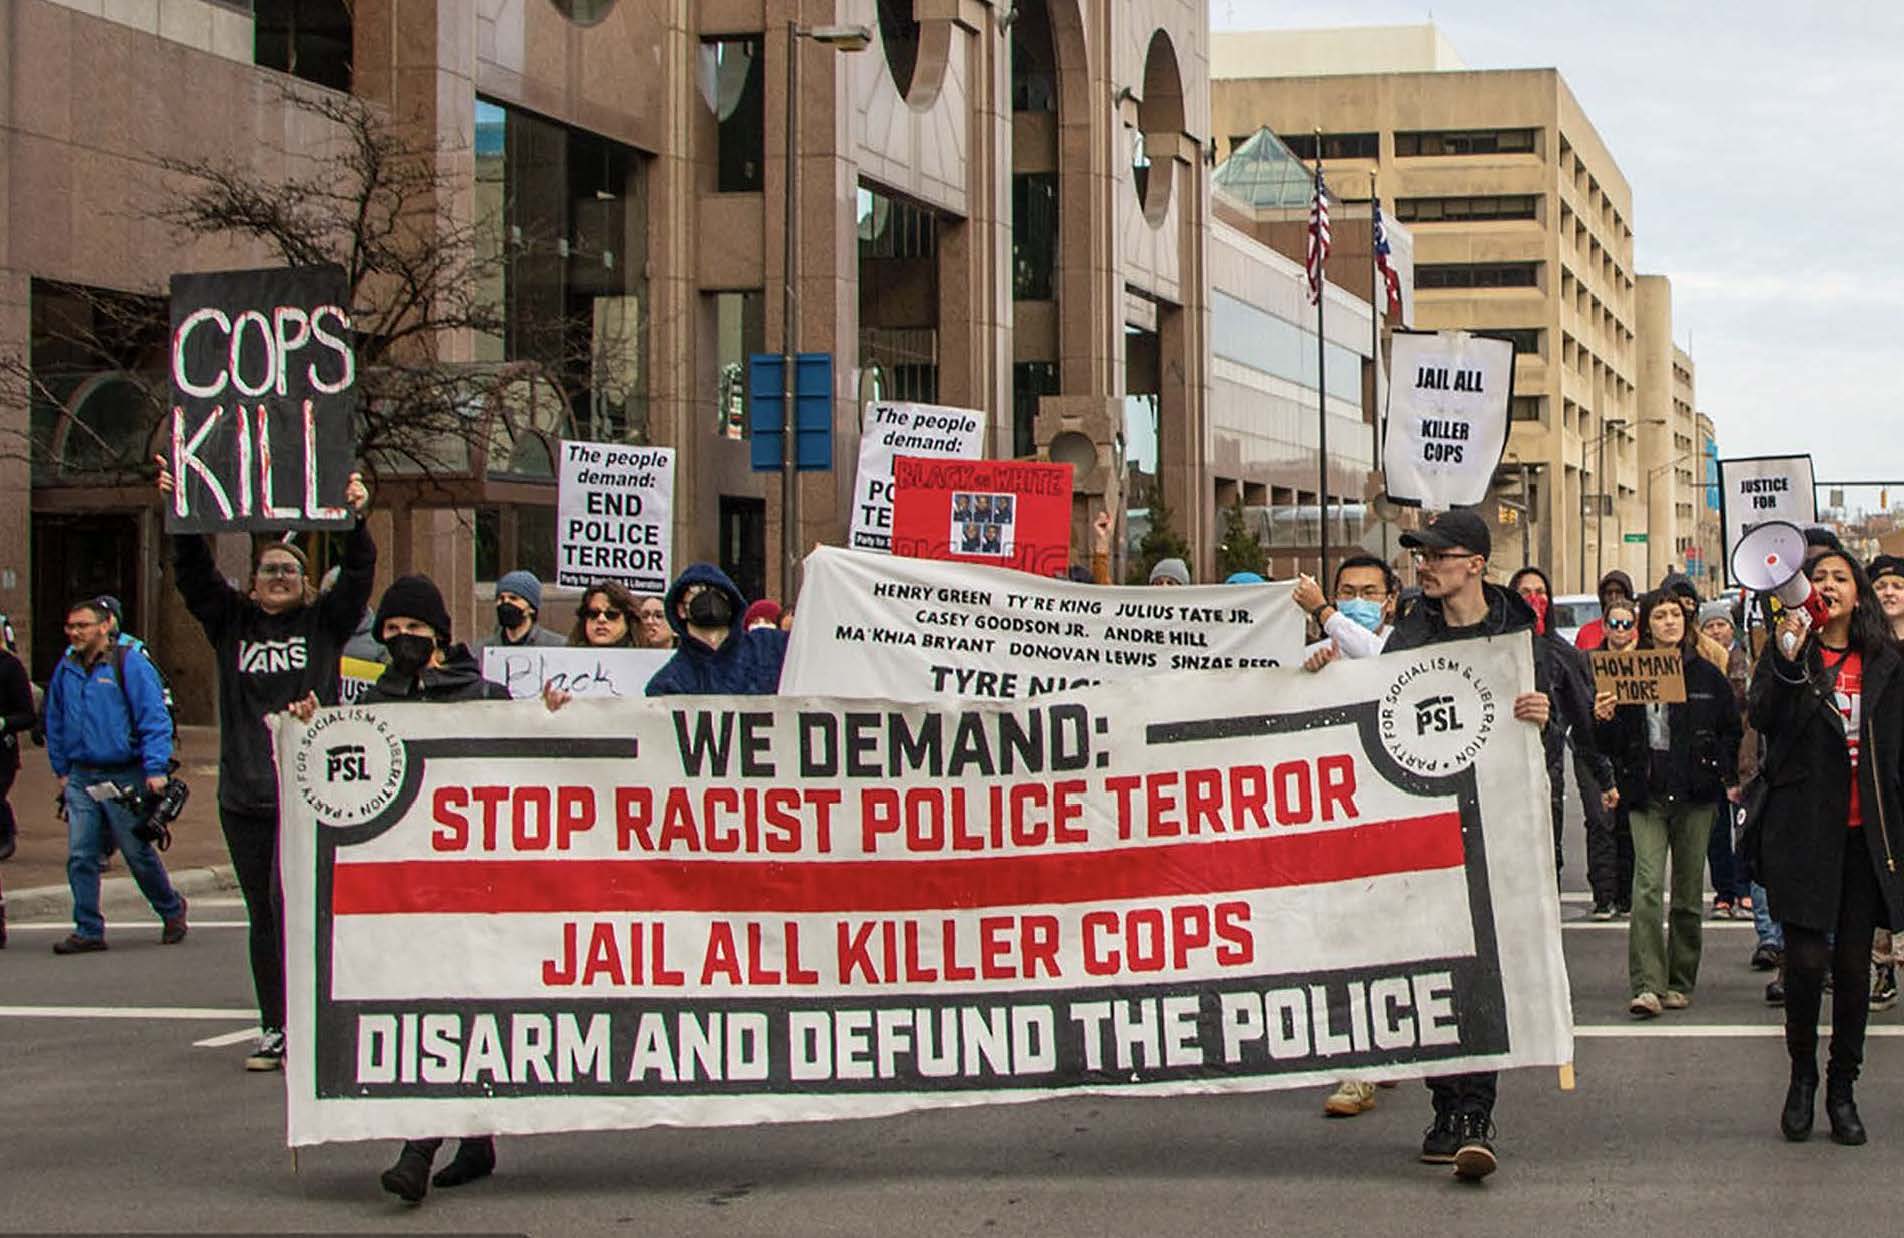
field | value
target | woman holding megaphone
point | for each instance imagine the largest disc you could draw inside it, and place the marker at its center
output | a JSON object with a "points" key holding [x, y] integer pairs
{"points": [[1675, 763], [1828, 698]]}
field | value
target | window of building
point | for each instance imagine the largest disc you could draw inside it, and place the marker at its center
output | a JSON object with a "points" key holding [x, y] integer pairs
{"points": [[309, 39], [1034, 235], [562, 218], [1030, 381], [891, 227], [744, 543], [1464, 210], [899, 35], [1477, 274], [584, 12], [98, 365], [1034, 60], [732, 77], [1527, 407], [1334, 145], [1466, 142], [1527, 340], [740, 331]]}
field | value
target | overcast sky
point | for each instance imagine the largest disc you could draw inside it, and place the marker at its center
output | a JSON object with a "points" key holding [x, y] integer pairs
{"points": [[1761, 141]]}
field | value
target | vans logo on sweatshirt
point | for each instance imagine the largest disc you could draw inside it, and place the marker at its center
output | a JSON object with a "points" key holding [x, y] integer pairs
{"points": [[270, 657]]}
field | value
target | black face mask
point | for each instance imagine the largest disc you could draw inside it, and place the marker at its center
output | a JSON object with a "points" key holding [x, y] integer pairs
{"points": [[711, 608], [409, 653], [510, 616]]}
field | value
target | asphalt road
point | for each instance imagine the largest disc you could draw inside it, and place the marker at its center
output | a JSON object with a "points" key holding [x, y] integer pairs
{"points": [[117, 1124]]}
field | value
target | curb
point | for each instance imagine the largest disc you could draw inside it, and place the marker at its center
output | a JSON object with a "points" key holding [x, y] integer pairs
{"points": [[117, 895]]}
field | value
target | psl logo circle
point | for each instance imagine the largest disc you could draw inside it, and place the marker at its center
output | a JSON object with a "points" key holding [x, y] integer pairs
{"points": [[1437, 715], [349, 766]]}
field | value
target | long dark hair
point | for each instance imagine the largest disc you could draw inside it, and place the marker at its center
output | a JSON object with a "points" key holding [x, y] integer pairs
{"points": [[618, 598], [1869, 628], [1688, 639]]}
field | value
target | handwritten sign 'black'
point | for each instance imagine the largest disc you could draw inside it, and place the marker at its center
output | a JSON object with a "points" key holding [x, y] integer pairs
{"points": [[260, 433]]}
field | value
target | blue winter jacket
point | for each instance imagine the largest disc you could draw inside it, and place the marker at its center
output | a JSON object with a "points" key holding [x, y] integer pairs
{"points": [[87, 722], [746, 664]]}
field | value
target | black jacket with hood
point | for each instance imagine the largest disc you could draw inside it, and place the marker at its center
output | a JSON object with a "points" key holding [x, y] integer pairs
{"points": [[266, 661], [746, 664], [1570, 676], [1702, 733], [460, 678]]}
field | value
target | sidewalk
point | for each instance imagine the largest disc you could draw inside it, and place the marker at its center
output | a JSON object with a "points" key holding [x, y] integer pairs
{"points": [[35, 878]]}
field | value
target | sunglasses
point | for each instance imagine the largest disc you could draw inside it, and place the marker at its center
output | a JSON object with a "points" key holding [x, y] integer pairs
{"points": [[1620, 625], [602, 612]]}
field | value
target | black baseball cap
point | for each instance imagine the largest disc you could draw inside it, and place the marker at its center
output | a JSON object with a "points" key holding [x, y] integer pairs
{"points": [[1886, 565], [1457, 529]]}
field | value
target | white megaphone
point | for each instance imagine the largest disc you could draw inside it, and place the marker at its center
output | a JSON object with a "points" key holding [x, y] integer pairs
{"points": [[1770, 559]]}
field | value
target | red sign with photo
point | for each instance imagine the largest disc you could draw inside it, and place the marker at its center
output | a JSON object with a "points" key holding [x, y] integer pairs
{"points": [[1002, 513]]}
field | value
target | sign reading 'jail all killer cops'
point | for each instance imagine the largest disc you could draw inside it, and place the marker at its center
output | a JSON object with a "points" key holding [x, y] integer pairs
{"points": [[731, 910], [1448, 407], [260, 433], [615, 516]]}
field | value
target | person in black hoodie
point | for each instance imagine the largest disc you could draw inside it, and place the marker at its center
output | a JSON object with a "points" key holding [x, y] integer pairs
{"points": [[1829, 703], [1676, 763], [413, 625], [277, 644], [1570, 672], [715, 653], [1457, 603]]}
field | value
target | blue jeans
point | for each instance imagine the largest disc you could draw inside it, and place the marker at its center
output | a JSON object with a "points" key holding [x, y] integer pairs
{"points": [[1771, 932], [87, 820]]}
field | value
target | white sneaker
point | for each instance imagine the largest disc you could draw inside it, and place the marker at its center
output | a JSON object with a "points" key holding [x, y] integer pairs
{"points": [[269, 1055], [1674, 1000], [1351, 1096], [1645, 1006]]}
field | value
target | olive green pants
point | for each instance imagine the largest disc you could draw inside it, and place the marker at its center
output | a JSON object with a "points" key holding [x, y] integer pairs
{"points": [[1662, 957]]}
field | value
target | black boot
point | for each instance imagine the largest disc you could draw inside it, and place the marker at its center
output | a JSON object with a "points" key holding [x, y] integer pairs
{"points": [[475, 1158], [409, 1178], [1794, 1121], [1846, 1126]]}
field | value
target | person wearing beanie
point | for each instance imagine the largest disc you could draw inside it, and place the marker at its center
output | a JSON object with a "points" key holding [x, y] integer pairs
{"points": [[762, 614], [1731, 888], [1174, 572], [518, 605], [1245, 578], [1887, 581], [1887, 948]]}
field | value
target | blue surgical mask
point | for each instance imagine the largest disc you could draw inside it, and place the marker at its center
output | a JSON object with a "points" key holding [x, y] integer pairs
{"points": [[1362, 611]]}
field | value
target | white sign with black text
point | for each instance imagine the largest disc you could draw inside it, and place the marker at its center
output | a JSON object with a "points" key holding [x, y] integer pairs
{"points": [[903, 430], [1756, 489], [615, 516], [524, 669], [1448, 398]]}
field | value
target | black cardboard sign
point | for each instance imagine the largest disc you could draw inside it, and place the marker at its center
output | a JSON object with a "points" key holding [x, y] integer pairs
{"points": [[260, 435]]}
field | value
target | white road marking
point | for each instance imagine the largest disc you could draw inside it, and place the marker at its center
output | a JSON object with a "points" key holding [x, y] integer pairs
{"points": [[125, 1012], [125, 926], [229, 1038], [1608, 926]]}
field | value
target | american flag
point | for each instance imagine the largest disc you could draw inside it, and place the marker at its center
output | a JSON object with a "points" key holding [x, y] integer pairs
{"points": [[1318, 235], [1390, 279]]}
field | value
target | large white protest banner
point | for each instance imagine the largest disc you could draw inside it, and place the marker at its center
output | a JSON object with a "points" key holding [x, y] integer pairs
{"points": [[1448, 398], [918, 629], [614, 514], [901, 429], [1755, 489], [733, 910], [524, 669]]}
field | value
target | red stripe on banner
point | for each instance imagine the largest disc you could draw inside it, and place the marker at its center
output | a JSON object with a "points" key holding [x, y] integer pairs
{"points": [[472, 887]]}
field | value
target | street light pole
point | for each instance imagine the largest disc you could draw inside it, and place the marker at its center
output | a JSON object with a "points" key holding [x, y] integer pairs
{"points": [[1651, 473], [1607, 426], [841, 39]]}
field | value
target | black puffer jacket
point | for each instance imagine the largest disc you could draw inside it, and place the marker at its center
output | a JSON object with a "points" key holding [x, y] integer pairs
{"points": [[458, 679], [1799, 852], [1703, 732]]}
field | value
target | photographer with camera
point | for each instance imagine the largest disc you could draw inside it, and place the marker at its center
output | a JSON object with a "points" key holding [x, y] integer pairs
{"points": [[109, 737]]}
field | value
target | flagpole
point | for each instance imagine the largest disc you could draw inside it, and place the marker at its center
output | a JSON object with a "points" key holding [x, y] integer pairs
{"points": [[1322, 384], [1375, 334]]}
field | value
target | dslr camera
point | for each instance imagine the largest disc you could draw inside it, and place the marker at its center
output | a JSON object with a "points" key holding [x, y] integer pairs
{"points": [[156, 810]]}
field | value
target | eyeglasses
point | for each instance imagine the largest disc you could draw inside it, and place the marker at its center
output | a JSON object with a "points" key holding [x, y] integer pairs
{"points": [[1372, 593], [602, 612], [280, 569], [82, 626], [1619, 625], [1442, 556]]}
